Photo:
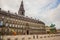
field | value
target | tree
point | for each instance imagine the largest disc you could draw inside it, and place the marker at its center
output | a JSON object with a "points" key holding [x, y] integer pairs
{"points": [[52, 25], [53, 29]]}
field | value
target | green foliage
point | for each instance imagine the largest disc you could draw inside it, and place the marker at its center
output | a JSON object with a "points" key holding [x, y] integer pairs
{"points": [[52, 25], [53, 29]]}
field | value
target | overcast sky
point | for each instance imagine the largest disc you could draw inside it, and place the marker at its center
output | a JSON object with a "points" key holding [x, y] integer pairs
{"points": [[47, 11]]}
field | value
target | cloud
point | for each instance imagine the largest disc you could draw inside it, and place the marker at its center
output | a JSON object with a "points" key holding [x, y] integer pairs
{"points": [[46, 10], [56, 17]]}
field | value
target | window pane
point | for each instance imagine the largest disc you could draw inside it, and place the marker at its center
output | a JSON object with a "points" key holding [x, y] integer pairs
{"points": [[1, 23]]}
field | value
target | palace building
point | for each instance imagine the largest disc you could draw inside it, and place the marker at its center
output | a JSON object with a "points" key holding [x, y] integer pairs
{"points": [[19, 24]]}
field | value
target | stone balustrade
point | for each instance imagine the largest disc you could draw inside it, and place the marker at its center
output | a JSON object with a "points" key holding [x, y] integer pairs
{"points": [[32, 37]]}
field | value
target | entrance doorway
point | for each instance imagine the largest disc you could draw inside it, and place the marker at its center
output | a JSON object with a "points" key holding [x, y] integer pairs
{"points": [[27, 32]]}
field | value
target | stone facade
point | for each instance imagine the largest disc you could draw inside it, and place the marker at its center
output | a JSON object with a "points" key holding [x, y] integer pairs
{"points": [[58, 31], [20, 24]]}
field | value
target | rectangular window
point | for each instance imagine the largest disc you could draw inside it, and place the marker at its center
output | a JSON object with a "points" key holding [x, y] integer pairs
{"points": [[1, 23]]}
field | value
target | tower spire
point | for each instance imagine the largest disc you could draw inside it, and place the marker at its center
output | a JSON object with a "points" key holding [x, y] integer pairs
{"points": [[21, 9]]}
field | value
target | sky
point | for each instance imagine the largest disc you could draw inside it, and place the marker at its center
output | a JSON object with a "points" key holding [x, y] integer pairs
{"points": [[47, 11]]}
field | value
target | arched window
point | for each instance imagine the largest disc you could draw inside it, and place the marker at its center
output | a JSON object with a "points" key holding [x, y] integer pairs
{"points": [[13, 25], [10, 25], [6, 24]]}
